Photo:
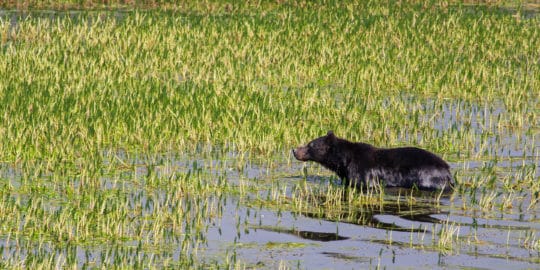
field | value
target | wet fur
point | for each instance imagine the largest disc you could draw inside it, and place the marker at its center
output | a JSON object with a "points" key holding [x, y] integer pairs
{"points": [[361, 164]]}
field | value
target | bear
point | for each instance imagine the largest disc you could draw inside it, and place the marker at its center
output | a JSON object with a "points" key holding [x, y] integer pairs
{"points": [[363, 165]]}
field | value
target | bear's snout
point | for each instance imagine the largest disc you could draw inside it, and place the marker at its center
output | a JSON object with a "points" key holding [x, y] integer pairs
{"points": [[301, 153]]}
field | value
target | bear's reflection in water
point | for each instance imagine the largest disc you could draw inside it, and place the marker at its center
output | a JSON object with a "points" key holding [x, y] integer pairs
{"points": [[370, 215], [314, 236], [420, 212]]}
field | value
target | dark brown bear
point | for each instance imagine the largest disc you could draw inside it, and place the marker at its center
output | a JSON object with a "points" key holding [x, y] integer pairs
{"points": [[361, 164]]}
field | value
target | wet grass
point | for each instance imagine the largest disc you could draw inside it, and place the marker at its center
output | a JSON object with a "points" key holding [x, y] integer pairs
{"points": [[126, 137]]}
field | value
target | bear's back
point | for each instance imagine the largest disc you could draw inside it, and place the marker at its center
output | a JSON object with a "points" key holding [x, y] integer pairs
{"points": [[408, 157]]}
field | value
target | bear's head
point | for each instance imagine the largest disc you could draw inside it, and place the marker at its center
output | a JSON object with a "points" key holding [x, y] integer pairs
{"points": [[316, 150]]}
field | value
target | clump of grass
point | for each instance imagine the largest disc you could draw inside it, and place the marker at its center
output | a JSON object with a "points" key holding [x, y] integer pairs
{"points": [[448, 237]]}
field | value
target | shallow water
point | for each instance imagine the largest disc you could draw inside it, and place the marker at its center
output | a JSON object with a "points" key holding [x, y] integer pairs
{"points": [[501, 236], [486, 227], [392, 236], [489, 224]]}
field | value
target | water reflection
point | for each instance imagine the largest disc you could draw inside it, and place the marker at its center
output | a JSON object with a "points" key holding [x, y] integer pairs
{"points": [[393, 214], [309, 235]]}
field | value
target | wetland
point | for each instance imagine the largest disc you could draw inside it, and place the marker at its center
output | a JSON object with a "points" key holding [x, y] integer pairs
{"points": [[161, 138]]}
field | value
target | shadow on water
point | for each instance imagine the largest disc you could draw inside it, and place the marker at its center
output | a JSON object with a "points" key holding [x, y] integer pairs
{"points": [[308, 235], [409, 217], [372, 216], [394, 206], [341, 256]]}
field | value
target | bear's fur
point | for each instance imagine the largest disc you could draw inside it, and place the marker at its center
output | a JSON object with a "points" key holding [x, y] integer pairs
{"points": [[361, 164]]}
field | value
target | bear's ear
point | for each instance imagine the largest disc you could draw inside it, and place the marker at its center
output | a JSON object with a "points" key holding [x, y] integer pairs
{"points": [[330, 137]]}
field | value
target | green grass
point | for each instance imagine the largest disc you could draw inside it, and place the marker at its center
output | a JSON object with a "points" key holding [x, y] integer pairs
{"points": [[179, 81], [94, 108]]}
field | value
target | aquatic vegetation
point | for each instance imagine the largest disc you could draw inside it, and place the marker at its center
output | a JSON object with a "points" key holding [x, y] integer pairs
{"points": [[161, 137]]}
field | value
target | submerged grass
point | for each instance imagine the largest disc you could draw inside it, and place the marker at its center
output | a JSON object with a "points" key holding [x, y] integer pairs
{"points": [[94, 107]]}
